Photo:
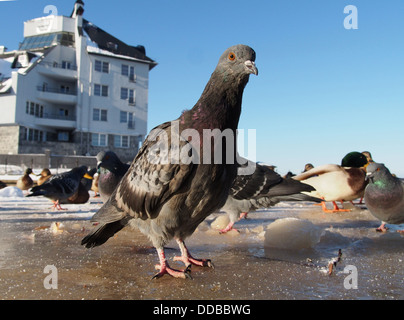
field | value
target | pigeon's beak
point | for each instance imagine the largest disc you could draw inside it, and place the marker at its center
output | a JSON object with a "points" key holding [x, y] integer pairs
{"points": [[369, 176], [250, 67]]}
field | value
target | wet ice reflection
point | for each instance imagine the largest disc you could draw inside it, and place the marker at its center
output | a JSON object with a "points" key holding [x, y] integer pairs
{"points": [[244, 267]]}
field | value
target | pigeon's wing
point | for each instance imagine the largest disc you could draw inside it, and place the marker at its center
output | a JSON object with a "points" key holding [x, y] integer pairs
{"points": [[66, 183], [256, 184], [155, 175]]}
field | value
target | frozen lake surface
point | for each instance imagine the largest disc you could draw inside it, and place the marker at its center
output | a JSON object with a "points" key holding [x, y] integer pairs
{"points": [[245, 268]]}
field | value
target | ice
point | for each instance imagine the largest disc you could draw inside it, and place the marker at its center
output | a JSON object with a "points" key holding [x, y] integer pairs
{"points": [[33, 236], [292, 234]]}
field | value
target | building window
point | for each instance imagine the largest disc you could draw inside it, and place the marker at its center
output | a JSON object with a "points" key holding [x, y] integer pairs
{"points": [[99, 140], [63, 136], [128, 94], [100, 114], [125, 70], [101, 66], [128, 71], [131, 121], [33, 135], [66, 65], [34, 109], [131, 97], [123, 117], [121, 141], [124, 93], [127, 117], [100, 90]]}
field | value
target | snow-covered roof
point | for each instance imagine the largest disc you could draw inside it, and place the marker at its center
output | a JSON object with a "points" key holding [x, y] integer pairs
{"points": [[101, 42]]}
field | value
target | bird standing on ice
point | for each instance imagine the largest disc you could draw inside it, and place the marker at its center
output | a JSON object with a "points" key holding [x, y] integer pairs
{"points": [[60, 186], [262, 189], [384, 195], [176, 181]]}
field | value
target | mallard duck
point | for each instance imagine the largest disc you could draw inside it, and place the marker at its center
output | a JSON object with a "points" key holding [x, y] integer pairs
{"points": [[336, 182], [384, 195], [60, 186], [25, 182], [43, 176]]}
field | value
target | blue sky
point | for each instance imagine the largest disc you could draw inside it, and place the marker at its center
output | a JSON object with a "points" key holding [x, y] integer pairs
{"points": [[322, 90]]}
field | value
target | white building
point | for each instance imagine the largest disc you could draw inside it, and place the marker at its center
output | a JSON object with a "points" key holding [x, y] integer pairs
{"points": [[74, 89]]}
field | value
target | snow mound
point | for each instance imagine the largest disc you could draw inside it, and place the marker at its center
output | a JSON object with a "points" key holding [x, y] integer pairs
{"points": [[220, 222], [13, 192], [292, 234]]}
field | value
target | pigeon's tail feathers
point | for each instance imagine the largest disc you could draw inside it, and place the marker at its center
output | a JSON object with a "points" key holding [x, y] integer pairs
{"points": [[37, 191], [289, 186], [102, 232], [108, 221], [297, 197]]}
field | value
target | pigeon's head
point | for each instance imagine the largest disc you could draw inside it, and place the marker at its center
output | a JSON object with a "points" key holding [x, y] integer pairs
{"points": [[376, 171], [108, 160], [239, 60]]}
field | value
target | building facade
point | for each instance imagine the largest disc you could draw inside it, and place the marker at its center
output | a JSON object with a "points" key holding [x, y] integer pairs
{"points": [[74, 89]]}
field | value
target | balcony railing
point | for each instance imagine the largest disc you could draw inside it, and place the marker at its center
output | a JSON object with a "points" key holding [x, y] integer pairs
{"points": [[57, 90], [67, 66], [55, 116]]}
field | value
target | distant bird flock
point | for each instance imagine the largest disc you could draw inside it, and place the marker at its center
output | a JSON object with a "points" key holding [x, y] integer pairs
{"points": [[167, 200]]}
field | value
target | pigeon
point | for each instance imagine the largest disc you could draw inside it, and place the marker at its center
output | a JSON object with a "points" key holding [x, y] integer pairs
{"points": [[25, 182], [110, 170], [384, 195], [82, 195], [43, 176], [262, 189], [60, 186], [333, 182], [184, 170]]}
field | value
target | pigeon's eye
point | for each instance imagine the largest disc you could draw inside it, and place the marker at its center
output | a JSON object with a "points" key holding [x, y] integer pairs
{"points": [[232, 56]]}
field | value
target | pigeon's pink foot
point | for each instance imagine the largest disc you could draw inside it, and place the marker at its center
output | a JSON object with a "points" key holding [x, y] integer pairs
{"points": [[165, 268], [56, 206], [228, 228], [188, 260], [243, 215], [382, 228]]}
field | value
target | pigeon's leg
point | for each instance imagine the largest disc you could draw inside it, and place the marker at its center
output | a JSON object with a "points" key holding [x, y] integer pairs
{"points": [[228, 228], [56, 205], [243, 215], [382, 227], [165, 268], [188, 260]]}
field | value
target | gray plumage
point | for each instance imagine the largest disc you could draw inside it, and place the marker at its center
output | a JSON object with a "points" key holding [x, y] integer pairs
{"points": [[60, 186], [384, 194], [111, 170], [262, 189], [169, 199]]}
